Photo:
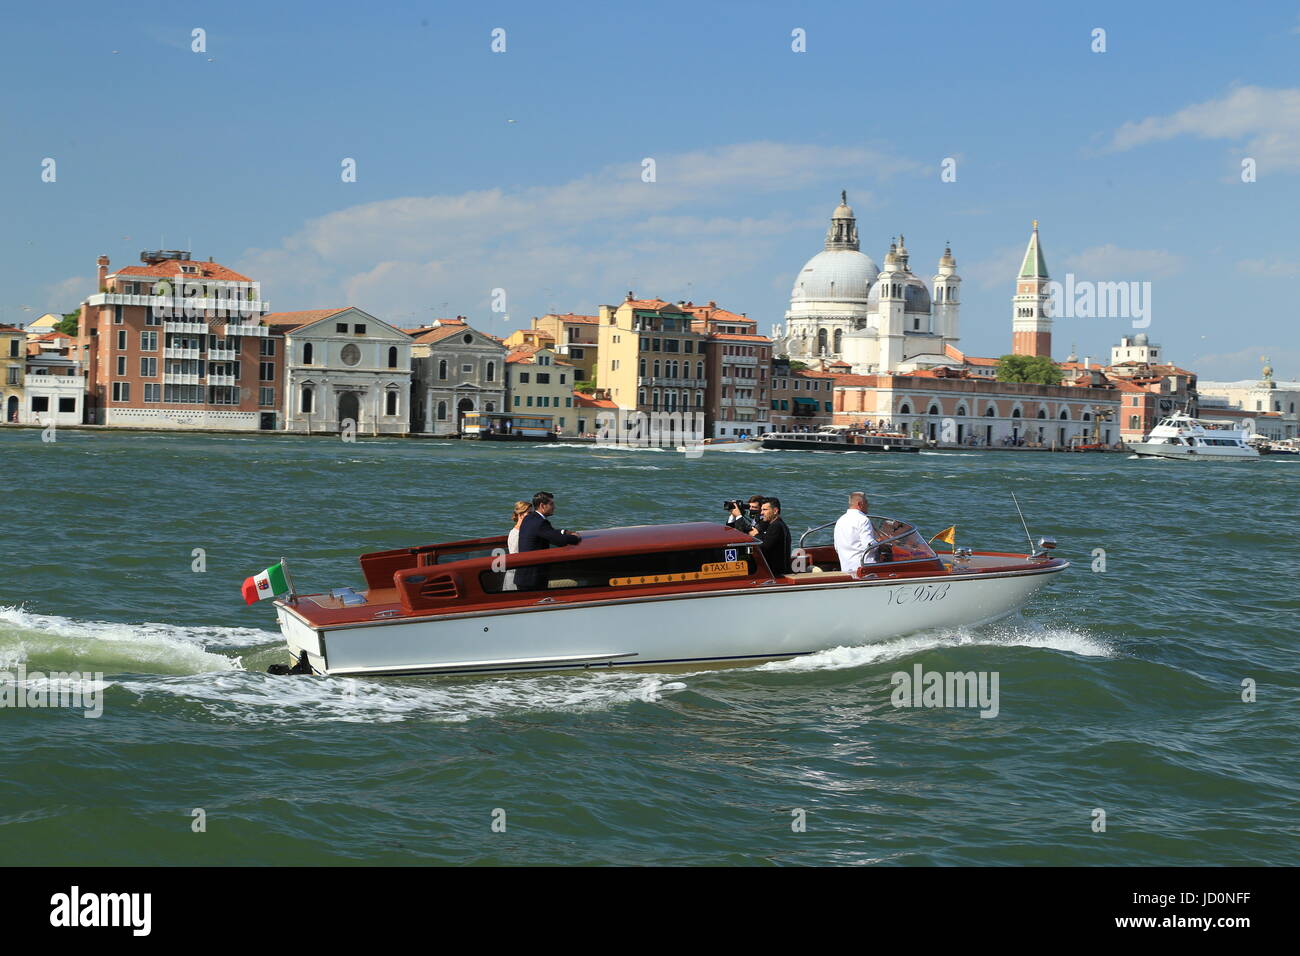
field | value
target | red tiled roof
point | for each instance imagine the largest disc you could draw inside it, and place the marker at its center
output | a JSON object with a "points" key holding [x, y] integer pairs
{"points": [[571, 317], [171, 268], [586, 401], [854, 381], [738, 337], [10, 328], [50, 336], [291, 321], [653, 304]]}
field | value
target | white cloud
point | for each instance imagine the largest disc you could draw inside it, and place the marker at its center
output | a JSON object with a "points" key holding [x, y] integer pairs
{"points": [[1265, 122], [1110, 262], [1270, 268], [568, 246]]}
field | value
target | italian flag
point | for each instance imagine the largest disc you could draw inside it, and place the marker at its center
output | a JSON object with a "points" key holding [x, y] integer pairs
{"points": [[270, 583]]}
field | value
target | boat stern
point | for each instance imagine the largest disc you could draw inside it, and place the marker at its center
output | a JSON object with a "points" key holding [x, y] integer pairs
{"points": [[301, 637]]}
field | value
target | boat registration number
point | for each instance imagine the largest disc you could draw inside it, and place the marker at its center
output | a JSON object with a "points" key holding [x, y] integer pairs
{"points": [[920, 594]]}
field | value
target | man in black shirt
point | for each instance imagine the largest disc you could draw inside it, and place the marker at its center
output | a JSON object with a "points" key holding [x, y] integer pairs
{"points": [[774, 539], [751, 518], [536, 534]]}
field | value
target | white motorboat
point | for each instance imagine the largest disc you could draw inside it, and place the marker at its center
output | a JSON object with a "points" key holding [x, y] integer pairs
{"points": [[842, 438], [723, 444], [1192, 439], [651, 596]]}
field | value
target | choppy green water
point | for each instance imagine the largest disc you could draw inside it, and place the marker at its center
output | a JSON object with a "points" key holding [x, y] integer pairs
{"points": [[1119, 690]]}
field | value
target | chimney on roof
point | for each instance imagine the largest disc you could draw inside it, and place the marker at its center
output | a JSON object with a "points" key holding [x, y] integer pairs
{"points": [[629, 295], [102, 262]]}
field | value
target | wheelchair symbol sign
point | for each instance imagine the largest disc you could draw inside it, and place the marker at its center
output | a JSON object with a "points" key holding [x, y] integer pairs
{"points": [[729, 554]]}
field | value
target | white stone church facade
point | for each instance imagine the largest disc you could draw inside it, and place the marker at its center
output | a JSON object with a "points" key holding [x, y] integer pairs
{"points": [[843, 307]]}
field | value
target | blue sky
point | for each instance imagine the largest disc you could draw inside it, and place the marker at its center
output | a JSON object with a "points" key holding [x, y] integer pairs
{"points": [[1130, 159]]}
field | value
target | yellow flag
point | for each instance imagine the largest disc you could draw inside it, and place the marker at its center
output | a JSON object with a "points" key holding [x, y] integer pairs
{"points": [[947, 536]]}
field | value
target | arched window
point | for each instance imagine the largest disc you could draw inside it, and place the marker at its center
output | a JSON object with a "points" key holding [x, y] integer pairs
{"points": [[641, 368], [491, 407], [305, 403], [1065, 415], [442, 409], [839, 340], [392, 357], [905, 409], [307, 354], [934, 410], [1042, 414], [1015, 413], [961, 411], [656, 375], [821, 341], [699, 372], [990, 412], [442, 373], [1087, 416], [491, 371], [390, 402]]}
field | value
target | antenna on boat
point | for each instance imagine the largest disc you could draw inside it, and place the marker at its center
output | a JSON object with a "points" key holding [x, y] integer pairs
{"points": [[1028, 536]]}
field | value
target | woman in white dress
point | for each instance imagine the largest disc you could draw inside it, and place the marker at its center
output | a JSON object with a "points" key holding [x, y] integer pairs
{"points": [[512, 547]]}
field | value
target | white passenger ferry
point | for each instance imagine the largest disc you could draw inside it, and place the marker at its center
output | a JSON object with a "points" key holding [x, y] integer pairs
{"points": [[1192, 439]]}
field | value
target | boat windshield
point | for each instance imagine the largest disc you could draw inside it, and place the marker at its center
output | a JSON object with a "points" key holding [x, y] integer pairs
{"points": [[906, 542]]}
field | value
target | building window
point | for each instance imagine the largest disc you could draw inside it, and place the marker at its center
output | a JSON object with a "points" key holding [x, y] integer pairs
{"points": [[392, 357], [359, 329], [442, 369], [265, 397], [121, 339], [121, 391], [467, 369], [491, 371], [577, 353], [152, 392], [390, 401], [341, 327], [442, 411], [148, 341], [266, 371], [148, 367], [516, 401], [543, 378], [523, 378], [121, 365], [40, 403], [117, 315], [306, 401], [307, 354]]}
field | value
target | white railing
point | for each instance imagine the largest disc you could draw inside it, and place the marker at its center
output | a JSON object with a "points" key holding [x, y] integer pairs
{"points": [[54, 381], [214, 379], [181, 307], [176, 326], [180, 378], [174, 352], [222, 355], [261, 330]]}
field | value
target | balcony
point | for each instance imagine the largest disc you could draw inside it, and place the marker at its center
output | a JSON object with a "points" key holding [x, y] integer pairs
{"points": [[179, 305], [173, 352], [218, 355], [192, 326], [661, 382], [261, 330], [214, 379], [180, 378]]}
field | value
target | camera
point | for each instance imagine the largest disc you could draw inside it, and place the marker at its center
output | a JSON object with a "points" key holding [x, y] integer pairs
{"points": [[738, 503]]}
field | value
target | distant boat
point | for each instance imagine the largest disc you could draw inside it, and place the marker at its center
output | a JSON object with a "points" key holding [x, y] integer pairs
{"points": [[724, 444], [1192, 439], [504, 426], [842, 438]]}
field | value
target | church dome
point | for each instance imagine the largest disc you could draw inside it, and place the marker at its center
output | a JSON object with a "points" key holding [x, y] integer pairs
{"points": [[1141, 339], [916, 297], [836, 275]]}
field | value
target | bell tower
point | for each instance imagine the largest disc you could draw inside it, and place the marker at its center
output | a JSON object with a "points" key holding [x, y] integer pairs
{"points": [[1031, 326]]}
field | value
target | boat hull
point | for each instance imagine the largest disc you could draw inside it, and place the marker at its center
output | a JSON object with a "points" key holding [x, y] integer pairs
{"points": [[757, 623], [1206, 453]]}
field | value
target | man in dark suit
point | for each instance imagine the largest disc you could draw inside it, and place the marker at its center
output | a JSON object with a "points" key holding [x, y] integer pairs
{"points": [[536, 534], [774, 539]]}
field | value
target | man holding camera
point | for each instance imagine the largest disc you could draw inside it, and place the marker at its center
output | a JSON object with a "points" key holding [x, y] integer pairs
{"points": [[744, 520], [774, 537]]}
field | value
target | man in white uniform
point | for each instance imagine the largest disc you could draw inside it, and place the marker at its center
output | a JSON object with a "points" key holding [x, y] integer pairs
{"points": [[854, 536]]}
